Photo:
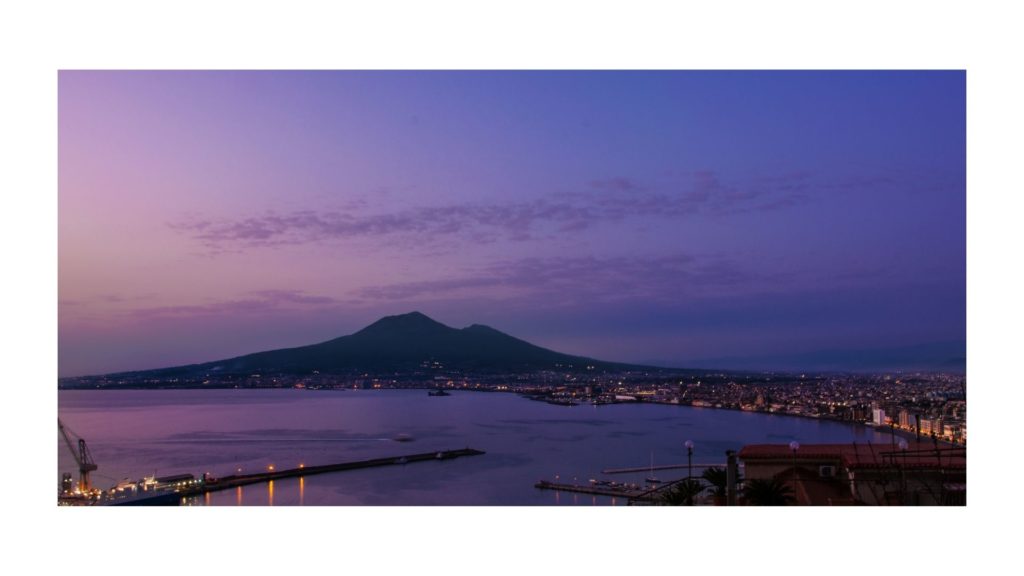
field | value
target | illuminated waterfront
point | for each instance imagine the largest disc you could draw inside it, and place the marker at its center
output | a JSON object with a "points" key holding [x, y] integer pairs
{"points": [[139, 433]]}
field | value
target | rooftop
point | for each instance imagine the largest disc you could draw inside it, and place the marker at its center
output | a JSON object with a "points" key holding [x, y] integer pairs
{"points": [[859, 456]]}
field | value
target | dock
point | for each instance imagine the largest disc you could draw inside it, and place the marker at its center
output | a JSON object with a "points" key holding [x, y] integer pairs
{"points": [[635, 495], [662, 467], [236, 480]]}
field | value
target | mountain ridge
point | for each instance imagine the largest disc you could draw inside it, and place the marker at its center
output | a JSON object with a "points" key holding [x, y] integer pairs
{"points": [[401, 343]]}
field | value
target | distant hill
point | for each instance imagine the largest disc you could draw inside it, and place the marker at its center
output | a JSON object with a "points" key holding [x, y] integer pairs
{"points": [[936, 356], [403, 343]]}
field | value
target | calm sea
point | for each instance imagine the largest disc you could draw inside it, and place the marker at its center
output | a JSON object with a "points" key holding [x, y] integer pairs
{"points": [[136, 433]]}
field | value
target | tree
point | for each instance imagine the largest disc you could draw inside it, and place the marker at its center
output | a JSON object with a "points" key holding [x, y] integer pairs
{"points": [[717, 478], [771, 492], [683, 493]]}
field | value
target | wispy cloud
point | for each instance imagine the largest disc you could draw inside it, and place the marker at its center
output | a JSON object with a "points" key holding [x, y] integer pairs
{"points": [[581, 278], [605, 200], [617, 183], [666, 279], [263, 301]]}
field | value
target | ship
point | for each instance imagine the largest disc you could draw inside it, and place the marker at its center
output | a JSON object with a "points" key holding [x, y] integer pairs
{"points": [[143, 498], [652, 479]]}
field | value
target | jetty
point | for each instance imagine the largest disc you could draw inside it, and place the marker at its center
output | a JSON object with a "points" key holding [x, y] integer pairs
{"points": [[235, 480], [617, 492], [662, 467]]}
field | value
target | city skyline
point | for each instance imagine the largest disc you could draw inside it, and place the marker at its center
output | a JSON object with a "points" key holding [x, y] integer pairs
{"points": [[629, 216]]}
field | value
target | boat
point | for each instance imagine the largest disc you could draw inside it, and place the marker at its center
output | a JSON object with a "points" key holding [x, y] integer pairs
{"points": [[144, 498], [652, 479], [438, 392], [402, 438], [150, 491]]}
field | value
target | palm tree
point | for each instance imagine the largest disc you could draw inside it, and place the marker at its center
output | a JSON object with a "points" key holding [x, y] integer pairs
{"points": [[771, 492], [683, 493], [717, 477]]}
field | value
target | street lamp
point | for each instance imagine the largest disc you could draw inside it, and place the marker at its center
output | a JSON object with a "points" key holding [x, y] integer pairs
{"points": [[689, 459], [903, 478], [793, 447]]}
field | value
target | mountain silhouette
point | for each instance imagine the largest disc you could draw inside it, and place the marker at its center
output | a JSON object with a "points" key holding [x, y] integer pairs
{"points": [[402, 343]]}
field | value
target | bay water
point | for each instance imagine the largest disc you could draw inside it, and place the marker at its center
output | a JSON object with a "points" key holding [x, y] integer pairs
{"points": [[137, 433]]}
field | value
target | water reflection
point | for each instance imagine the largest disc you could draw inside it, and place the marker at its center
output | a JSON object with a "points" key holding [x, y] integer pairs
{"points": [[270, 493], [137, 431]]}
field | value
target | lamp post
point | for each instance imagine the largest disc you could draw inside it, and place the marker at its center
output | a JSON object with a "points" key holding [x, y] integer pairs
{"points": [[903, 478], [689, 459], [793, 447]]}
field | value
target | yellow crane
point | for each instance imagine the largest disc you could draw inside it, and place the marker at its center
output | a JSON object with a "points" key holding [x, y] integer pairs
{"points": [[81, 455]]}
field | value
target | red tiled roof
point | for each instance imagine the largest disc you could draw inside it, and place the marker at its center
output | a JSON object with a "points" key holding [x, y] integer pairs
{"points": [[811, 489], [917, 455]]}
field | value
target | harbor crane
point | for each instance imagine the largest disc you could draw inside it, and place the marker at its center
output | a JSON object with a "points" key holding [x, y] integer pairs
{"points": [[81, 454]]}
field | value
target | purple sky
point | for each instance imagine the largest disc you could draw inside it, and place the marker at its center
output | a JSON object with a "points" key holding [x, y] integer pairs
{"points": [[632, 216]]}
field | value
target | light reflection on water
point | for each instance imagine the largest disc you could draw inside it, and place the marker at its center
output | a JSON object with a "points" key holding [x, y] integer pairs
{"points": [[136, 433]]}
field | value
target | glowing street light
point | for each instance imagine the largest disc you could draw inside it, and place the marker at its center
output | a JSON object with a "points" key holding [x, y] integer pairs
{"points": [[689, 459], [903, 478], [794, 446]]}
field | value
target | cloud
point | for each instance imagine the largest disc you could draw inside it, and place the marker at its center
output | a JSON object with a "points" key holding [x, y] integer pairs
{"points": [[588, 280], [703, 192], [515, 220], [601, 201], [263, 301], [618, 184], [292, 297], [577, 279]]}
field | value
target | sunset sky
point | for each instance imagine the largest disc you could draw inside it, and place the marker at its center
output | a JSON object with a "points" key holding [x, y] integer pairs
{"points": [[663, 217]]}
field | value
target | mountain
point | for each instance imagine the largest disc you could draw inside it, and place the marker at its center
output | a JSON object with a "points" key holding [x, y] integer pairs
{"points": [[402, 343]]}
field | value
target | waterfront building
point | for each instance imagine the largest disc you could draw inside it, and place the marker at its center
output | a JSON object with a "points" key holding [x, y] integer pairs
{"points": [[931, 427], [862, 474], [878, 417], [907, 420]]}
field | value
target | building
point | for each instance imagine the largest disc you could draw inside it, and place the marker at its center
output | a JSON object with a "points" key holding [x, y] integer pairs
{"points": [[931, 427], [952, 431], [863, 474], [878, 417], [907, 420]]}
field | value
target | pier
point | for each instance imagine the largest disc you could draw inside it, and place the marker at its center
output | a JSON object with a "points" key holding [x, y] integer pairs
{"points": [[632, 495], [663, 467], [236, 480]]}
